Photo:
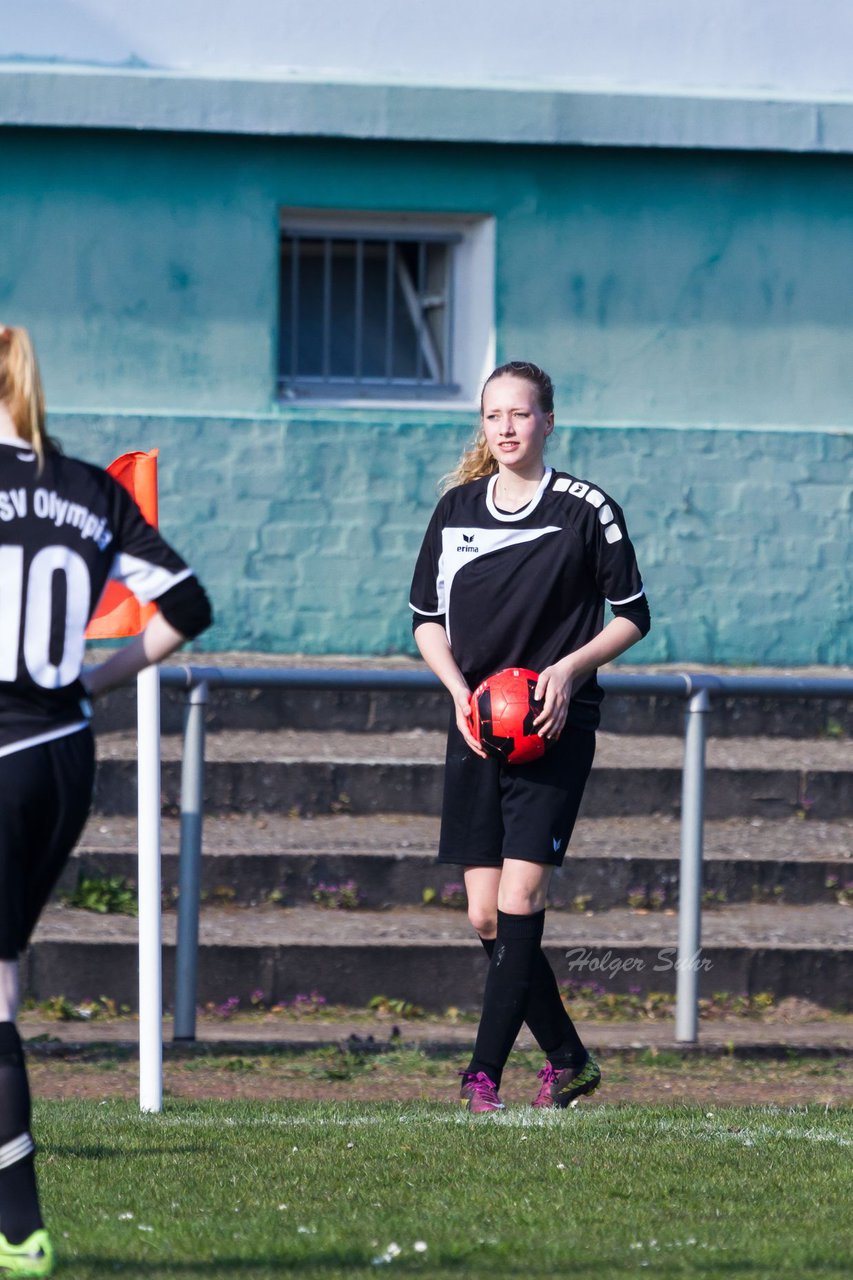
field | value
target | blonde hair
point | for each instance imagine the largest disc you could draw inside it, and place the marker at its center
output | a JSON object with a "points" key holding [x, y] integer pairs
{"points": [[477, 461], [21, 389]]}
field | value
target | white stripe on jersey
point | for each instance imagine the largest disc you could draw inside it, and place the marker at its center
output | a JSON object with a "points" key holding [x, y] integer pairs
{"points": [[639, 595], [460, 546], [427, 613], [49, 736], [147, 581]]}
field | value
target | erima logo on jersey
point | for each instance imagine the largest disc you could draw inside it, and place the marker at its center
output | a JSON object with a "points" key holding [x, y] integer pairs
{"points": [[467, 539], [578, 489]]}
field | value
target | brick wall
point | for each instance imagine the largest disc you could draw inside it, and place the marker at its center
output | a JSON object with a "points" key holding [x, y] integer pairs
{"points": [[304, 526]]}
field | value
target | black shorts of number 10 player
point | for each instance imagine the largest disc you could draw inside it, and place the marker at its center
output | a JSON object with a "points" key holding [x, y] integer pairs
{"points": [[523, 588], [65, 529]]}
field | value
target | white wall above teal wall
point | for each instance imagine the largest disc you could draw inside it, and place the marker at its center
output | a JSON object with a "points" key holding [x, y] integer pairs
{"points": [[730, 45], [739, 74]]}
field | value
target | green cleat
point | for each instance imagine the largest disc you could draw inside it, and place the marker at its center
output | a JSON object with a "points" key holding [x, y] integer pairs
{"points": [[33, 1257], [560, 1088]]}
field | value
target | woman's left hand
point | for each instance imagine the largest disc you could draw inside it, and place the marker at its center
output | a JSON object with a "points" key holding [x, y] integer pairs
{"points": [[554, 689]]}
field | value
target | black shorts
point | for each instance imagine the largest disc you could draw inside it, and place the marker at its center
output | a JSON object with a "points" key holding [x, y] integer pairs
{"points": [[493, 810], [45, 794]]}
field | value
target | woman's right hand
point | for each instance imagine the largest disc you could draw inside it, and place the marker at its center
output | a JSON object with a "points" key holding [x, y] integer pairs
{"points": [[462, 703], [431, 639]]}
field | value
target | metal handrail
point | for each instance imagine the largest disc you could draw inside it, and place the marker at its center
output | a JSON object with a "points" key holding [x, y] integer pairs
{"points": [[697, 688], [631, 683]]}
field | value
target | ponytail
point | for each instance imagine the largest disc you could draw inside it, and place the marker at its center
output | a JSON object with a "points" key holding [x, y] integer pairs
{"points": [[21, 389], [476, 463]]}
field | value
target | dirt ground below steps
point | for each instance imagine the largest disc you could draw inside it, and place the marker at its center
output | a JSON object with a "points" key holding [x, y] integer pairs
{"points": [[330, 1074]]}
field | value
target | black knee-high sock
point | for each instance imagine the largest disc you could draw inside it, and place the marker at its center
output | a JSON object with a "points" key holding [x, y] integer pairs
{"points": [[507, 989], [19, 1204], [546, 1015]]}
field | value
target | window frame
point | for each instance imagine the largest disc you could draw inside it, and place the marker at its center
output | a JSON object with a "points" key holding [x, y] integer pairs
{"points": [[468, 340]]}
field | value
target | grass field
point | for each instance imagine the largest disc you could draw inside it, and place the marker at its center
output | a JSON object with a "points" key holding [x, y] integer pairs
{"points": [[254, 1189]]}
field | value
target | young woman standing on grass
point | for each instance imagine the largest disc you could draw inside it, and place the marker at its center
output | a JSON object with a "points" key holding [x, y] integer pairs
{"points": [[514, 571], [65, 528]]}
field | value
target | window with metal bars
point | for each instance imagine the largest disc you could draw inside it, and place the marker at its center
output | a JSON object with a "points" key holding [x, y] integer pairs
{"points": [[366, 312]]}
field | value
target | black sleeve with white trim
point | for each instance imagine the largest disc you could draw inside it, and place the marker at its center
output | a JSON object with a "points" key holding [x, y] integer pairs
{"points": [[610, 553], [144, 562], [154, 572], [636, 611], [186, 607], [427, 596], [418, 619]]}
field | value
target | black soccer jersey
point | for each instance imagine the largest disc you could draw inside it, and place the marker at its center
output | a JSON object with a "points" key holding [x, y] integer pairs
{"points": [[528, 587], [64, 531]]}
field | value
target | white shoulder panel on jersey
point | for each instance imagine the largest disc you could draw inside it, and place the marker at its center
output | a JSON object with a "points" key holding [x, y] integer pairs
{"points": [[147, 581], [579, 489], [461, 545], [595, 498]]}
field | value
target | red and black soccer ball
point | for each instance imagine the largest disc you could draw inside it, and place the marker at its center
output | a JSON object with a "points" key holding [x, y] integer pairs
{"points": [[502, 712]]}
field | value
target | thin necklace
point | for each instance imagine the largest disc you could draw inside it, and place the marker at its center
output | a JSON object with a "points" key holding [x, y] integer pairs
{"points": [[508, 498]]}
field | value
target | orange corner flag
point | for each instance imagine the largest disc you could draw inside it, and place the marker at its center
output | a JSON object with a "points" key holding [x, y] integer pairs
{"points": [[119, 613]]}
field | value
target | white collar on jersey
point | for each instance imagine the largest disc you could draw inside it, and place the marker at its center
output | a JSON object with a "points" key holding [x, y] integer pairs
{"points": [[522, 511], [25, 451]]}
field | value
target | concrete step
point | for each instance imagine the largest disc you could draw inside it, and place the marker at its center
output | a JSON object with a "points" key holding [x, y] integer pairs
{"points": [[251, 859], [378, 712], [307, 773], [428, 956]]}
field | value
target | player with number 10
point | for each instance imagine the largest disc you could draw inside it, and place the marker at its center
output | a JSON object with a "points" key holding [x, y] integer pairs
{"points": [[66, 527]]}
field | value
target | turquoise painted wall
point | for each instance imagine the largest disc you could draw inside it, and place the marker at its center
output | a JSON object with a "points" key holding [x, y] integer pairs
{"points": [[661, 287], [691, 307], [305, 528]]}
